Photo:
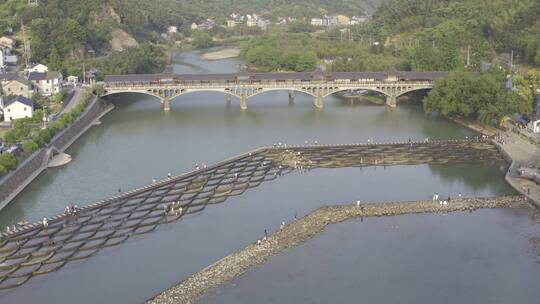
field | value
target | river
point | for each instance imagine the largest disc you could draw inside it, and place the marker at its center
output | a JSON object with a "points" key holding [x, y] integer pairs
{"points": [[138, 141]]}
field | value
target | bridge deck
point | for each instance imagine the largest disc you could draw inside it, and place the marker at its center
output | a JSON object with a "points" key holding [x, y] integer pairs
{"points": [[35, 250], [257, 77]]}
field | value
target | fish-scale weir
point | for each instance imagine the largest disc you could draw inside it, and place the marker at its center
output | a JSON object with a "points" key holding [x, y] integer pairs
{"points": [[34, 249]]}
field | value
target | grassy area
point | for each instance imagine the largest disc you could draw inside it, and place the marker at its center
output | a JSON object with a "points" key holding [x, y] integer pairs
{"points": [[3, 132]]}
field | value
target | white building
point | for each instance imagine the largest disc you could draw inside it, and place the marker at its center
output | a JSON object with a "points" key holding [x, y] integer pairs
{"points": [[2, 60], [73, 80], [316, 21], [7, 58], [172, 30], [251, 21], [39, 68], [20, 107], [48, 83]]}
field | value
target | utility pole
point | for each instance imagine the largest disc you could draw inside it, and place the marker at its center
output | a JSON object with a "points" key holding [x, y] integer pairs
{"points": [[83, 73], [512, 62], [26, 46], [433, 42], [468, 55], [1, 93]]}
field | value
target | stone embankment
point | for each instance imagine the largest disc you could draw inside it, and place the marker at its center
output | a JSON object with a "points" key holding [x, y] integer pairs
{"points": [[301, 230]]}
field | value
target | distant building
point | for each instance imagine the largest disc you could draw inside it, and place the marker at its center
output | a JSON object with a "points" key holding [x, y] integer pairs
{"points": [[343, 20], [19, 107], [208, 24], [194, 26], [48, 83], [316, 22], [358, 20], [171, 30], [262, 23], [39, 68], [91, 76], [15, 84], [251, 20], [2, 60], [73, 80], [235, 20]]}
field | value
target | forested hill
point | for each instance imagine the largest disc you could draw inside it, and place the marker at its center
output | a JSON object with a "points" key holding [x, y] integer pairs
{"points": [[142, 14], [488, 26]]}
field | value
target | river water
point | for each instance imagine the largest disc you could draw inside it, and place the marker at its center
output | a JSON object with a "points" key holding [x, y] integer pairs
{"points": [[138, 141]]}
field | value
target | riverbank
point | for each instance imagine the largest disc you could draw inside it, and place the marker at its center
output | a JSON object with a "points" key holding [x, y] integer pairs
{"points": [[518, 151], [16, 181], [305, 228], [225, 53]]}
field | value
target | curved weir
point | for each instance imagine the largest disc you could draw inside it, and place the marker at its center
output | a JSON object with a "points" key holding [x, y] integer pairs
{"points": [[38, 249]]}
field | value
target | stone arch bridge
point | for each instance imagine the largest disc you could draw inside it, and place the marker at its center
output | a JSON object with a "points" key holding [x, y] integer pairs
{"points": [[245, 85]]}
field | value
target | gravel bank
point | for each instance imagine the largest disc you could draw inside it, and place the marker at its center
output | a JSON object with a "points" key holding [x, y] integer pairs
{"points": [[234, 265], [221, 54]]}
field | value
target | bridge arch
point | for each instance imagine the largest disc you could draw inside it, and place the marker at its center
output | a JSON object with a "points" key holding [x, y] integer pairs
{"points": [[332, 92], [147, 93], [190, 91], [265, 90]]}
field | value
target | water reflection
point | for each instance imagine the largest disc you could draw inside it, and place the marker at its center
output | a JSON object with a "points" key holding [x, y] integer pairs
{"points": [[482, 257]]}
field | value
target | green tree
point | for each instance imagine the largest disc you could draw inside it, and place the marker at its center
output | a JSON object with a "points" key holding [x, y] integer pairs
{"points": [[29, 146], [202, 40], [8, 161], [55, 64]]}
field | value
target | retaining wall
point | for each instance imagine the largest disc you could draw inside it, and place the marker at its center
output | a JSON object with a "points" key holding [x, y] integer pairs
{"points": [[15, 181]]}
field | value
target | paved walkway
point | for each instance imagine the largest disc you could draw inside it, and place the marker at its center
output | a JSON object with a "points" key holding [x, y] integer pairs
{"points": [[73, 101], [523, 153]]}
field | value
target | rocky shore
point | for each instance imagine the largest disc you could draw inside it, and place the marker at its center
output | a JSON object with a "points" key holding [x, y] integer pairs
{"points": [[301, 230]]}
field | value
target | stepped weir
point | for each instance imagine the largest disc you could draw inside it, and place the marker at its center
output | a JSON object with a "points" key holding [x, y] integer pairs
{"points": [[40, 248]]}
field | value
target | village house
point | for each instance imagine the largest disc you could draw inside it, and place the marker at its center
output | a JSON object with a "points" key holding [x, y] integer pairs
{"points": [[316, 21], [46, 83], [19, 86], [7, 58], [355, 20], [171, 30], [343, 20], [39, 68], [15, 84], [235, 20], [19, 107], [207, 24], [72, 80], [251, 20]]}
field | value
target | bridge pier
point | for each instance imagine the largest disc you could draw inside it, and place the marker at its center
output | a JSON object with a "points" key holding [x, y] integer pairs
{"points": [[319, 101], [391, 101], [243, 102], [166, 102], [291, 98]]}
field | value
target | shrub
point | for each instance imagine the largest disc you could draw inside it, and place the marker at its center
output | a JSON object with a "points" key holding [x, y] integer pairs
{"points": [[8, 161], [3, 170]]}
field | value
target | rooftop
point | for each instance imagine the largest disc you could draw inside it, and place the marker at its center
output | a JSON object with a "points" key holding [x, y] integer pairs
{"points": [[20, 99]]}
